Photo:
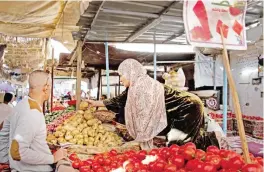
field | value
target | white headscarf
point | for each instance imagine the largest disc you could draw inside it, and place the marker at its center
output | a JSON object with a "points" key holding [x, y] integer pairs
{"points": [[145, 111]]}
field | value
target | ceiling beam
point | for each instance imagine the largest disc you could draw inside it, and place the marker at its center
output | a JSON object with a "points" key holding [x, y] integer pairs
{"points": [[151, 23], [173, 37]]}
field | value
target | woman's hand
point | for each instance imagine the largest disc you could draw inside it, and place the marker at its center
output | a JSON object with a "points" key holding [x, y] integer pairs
{"points": [[96, 103]]}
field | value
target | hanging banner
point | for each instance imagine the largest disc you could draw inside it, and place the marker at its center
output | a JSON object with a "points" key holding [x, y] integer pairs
{"points": [[203, 19]]}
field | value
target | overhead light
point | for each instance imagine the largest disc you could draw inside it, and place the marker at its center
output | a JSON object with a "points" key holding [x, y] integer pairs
{"points": [[97, 52], [161, 48], [6, 51]]}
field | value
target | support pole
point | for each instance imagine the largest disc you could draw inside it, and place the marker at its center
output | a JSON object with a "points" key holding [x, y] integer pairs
{"points": [[99, 83], [235, 100], [107, 69], [225, 102], [155, 57], [119, 85], [79, 74], [214, 79], [52, 80]]}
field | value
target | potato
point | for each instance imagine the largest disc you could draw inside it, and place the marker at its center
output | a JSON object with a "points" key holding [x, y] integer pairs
{"points": [[84, 105], [85, 141], [73, 141], [81, 112], [61, 140], [88, 116], [54, 141], [75, 132], [56, 134], [68, 137], [90, 144], [91, 122], [91, 139], [61, 134], [80, 142]]}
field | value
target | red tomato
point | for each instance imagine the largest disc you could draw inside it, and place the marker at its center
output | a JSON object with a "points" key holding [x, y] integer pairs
{"points": [[215, 160], [113, 152], [190, 145], [188, 153], [231, 154], [130, 167], [107, 162], [177, 160], [154, 152], [252, 168], [192, 164], [207, 167], [199, 166], [101, 169], [260, 160], [200, 154], [76, 164], [235, 163], [170, 168], [158, 167], [96, 166], [73, 157], [141, 155], [114, 165], [212, 149], [100, 160], [164, 153], [181, 170], [107, 168], [85, 169], [224, 163], [223, 153], [174, 149], [88, 162], [81, 163]]}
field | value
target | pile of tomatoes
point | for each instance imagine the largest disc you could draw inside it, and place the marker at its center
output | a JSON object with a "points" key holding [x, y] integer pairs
{"points": [[184, 158]]}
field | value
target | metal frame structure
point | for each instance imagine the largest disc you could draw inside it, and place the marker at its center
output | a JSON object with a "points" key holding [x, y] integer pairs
{"points": [[133, 21]]}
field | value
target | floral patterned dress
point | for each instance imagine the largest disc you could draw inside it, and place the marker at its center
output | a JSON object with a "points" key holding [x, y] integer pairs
{"points": [[184, 113]]}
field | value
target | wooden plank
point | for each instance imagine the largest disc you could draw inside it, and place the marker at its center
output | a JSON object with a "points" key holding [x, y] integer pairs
{"points": [[79, 74], [235, 100], [99, 83]]}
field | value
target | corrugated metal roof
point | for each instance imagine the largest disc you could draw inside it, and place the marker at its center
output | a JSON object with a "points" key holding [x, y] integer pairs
{"points": [[138, 21]]}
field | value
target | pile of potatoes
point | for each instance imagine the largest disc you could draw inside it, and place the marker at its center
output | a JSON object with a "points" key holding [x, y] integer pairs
{"points": [[84, 129]]}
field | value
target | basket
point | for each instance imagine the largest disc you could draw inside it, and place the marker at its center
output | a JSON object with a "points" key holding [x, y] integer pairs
{"points": [[104, 115]]}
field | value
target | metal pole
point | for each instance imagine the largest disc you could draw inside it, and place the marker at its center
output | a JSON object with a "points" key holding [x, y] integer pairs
{"points": [[79, 74], [98, 83], [52, 80], [224, 102], [107, 69], [155, 57], [214, 77], [188, 61], [119, 85]]}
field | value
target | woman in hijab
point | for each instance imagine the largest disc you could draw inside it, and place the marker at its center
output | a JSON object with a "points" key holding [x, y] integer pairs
{"points": [[152, 109]]}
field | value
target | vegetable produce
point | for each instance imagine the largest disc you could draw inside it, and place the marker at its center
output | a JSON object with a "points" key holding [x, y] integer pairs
{"points": [[174, 160], [84, 129]]}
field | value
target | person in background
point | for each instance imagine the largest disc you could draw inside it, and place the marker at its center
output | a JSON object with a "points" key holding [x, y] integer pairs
{"points": [[28, 147], [5, 112], [5, 108], [103, 97], [14, 102], [153, 109]]}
